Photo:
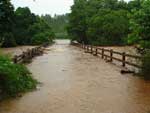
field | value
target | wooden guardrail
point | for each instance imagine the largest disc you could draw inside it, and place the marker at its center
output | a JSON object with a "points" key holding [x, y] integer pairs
{"points": [[110, 54], [28, 55]]}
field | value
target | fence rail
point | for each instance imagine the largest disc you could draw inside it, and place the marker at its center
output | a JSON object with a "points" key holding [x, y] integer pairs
{"points": [[29, 54], [109, 54]]}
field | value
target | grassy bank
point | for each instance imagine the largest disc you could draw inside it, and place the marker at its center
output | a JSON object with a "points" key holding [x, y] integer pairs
{"points": [[14, 78]]}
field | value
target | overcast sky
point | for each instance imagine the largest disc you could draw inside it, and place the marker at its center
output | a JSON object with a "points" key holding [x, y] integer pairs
{"points": [[46, 6]]}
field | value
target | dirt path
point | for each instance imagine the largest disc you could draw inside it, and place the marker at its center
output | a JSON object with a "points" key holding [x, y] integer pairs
{"points": [[77, 82]]}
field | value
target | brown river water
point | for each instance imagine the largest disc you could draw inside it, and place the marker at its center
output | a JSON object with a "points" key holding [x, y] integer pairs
{"points": [[77, 82], [15, 50]]}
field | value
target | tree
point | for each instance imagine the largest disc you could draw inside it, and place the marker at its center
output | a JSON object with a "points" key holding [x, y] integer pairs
{"points": [[30, 29], [58, 23], [140, 25], [23, 20], [99, 22], [77, 21], [6, 22], [108, 27], [41, 33], [134, 5]]}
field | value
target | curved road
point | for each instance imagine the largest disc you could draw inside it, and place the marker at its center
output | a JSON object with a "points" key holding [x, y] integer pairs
{"points": [[77, 82]]}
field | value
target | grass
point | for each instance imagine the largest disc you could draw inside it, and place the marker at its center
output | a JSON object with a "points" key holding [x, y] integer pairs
{"points": [[14, 78]]}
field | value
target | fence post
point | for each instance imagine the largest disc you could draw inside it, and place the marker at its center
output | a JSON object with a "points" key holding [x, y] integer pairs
{"points": [[96, 51], [102, 53], [88, 48], [15, 59], [84, 47], [91, 49], [111, 55], [32, 53], [23, 57], [28, 53], [123, 59]]}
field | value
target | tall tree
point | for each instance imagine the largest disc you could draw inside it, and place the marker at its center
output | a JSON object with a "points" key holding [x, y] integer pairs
{"points": [[140, 25], [24, 19], [6, 22], [99, 21], [77, 21]]}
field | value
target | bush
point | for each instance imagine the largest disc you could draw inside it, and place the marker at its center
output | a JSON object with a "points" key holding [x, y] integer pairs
{"points": [[41, 38], [14, 78], [104, 28], [145, 71], [62, 35]]}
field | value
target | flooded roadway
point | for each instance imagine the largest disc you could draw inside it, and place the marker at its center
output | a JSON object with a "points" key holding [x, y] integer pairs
{"points": [[77, 82]]}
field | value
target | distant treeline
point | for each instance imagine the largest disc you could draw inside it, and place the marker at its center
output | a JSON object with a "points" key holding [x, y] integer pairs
{"points": [[58, 24], [110, 22], [21, 27]]}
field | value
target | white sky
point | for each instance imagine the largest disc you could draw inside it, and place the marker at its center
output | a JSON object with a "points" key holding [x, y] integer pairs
{"points": [[46, 6]]}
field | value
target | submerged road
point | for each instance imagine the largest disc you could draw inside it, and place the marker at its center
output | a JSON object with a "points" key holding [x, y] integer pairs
{"points": [[77, 82]]}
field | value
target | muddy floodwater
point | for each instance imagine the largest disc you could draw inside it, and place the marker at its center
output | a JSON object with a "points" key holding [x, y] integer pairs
{"points": [[15, 50], [77, 82]]}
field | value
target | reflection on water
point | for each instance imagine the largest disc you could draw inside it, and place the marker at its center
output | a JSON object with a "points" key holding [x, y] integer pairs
{"points": [[76, 82]]}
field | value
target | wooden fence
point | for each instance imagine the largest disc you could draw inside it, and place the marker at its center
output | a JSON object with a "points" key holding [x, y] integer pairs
{"points": [[28, 55], [109, 54]]}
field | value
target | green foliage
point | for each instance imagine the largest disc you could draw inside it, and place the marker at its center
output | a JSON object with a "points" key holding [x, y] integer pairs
{"points": [[41, 33], [108, 27], [20, 27], [58, 24], [42, 38], [145, 71], [6, 21], [134, 5], [29, 27], [140, 25], [14, 78], [61, 35], [99, 22], [6, 15], [77, 21], [9, 40], [23, 20]]}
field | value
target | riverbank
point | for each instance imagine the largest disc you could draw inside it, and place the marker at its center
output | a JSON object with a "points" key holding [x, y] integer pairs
{"points": [[14, 78]]}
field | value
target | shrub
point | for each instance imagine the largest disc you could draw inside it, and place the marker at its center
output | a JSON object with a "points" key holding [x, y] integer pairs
{"points": [[62, 35], [145, 71], [14, 78], [41, 38]]}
